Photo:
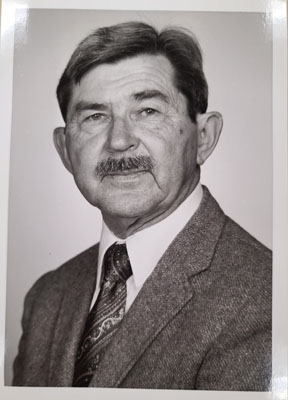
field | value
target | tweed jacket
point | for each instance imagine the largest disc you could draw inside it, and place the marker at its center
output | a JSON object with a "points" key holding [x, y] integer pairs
{"points": [[202, 320]]}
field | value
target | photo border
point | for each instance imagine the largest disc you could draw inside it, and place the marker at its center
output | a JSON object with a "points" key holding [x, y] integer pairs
{"points": [[277, 11]]}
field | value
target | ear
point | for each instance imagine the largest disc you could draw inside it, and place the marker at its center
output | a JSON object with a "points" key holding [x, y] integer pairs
{"points": [[59, 138], [209, 128]]}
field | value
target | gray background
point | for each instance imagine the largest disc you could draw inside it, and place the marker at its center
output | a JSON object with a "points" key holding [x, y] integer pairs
{"points": [[49, 221]]}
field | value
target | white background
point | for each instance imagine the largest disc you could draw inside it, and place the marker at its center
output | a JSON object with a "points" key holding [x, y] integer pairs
{"points": [[49, 221]]}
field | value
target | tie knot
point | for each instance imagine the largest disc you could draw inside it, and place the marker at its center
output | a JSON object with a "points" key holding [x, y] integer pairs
{"points": [[116, 263]]}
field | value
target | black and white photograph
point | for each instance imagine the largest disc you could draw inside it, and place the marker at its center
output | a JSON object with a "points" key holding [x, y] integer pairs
{"points": [[141, 246]]}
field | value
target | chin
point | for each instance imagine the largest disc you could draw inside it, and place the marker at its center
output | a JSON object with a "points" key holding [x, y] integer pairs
{"points": [[128, 208]]}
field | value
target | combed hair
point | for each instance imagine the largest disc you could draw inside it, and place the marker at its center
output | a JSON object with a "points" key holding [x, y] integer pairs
{"points": [[122, 41]]}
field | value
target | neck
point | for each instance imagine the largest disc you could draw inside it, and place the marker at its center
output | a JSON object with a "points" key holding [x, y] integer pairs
{"points": [[123, 227]]}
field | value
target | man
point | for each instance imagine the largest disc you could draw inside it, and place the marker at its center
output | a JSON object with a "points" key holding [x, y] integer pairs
{"points": [[176, 295]]}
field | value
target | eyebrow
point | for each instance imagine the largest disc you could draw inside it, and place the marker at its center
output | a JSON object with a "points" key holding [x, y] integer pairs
{"points": [[150, 94], [86, 105]]}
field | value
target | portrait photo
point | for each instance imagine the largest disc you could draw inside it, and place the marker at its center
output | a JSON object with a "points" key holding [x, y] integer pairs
{"points": [[141, 208]]}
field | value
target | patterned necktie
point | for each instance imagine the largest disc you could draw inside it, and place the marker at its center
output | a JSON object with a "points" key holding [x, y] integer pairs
{"points": [[106, 314]]}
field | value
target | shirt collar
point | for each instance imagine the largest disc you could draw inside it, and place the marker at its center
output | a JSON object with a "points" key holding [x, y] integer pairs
{"points": [[146, 247]]}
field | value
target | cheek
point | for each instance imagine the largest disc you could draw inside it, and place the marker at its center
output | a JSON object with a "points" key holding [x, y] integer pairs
{"points": [[169, 146], [83, 151], [182, 154], [189, 159], [76, 155]]}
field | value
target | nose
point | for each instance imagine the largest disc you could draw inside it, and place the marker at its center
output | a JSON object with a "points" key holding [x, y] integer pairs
{"points": [[121, 137]]}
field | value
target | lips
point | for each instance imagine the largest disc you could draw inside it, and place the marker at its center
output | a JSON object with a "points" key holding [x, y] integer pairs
{"points": [[126, 179], [125, 173]]}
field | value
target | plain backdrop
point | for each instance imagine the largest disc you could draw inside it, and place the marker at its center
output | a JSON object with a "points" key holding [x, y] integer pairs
{"points": [[49, 220]]}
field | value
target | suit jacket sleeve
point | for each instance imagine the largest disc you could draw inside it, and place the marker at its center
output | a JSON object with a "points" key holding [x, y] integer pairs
{"points": [[22, 375]]}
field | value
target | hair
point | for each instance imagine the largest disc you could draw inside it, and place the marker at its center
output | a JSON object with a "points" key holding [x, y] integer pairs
{"points": [[126, 40]]}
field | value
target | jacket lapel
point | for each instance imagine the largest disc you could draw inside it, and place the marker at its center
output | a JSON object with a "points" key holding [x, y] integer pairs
{"points": [[73, 312], [164, 294]]}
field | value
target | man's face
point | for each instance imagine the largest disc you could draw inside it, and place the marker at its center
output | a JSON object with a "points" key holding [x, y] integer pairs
{"points": [[126, 110]]}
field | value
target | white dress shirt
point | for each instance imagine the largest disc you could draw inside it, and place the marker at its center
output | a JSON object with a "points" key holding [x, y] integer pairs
{"points": [[146, 247]]}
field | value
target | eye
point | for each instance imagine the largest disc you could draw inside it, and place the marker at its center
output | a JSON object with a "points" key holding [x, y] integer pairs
{"points": [[146, 112], [96, 117]]}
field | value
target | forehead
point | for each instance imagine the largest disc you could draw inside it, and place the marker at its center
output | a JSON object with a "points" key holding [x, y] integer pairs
{"points": [[127, 76]]}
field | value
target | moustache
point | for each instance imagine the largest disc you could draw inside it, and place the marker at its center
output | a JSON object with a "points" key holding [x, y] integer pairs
{"points": [[110, 165]]}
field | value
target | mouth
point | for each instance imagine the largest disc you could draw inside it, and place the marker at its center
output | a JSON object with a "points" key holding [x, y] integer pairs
{"points": [[124, 178], [126, 173]]}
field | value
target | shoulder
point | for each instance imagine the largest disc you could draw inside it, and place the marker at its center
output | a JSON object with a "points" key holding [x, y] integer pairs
{"points": [[239, 260], [65, 276], [243, 268], [243, 248], [235, 241]]}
